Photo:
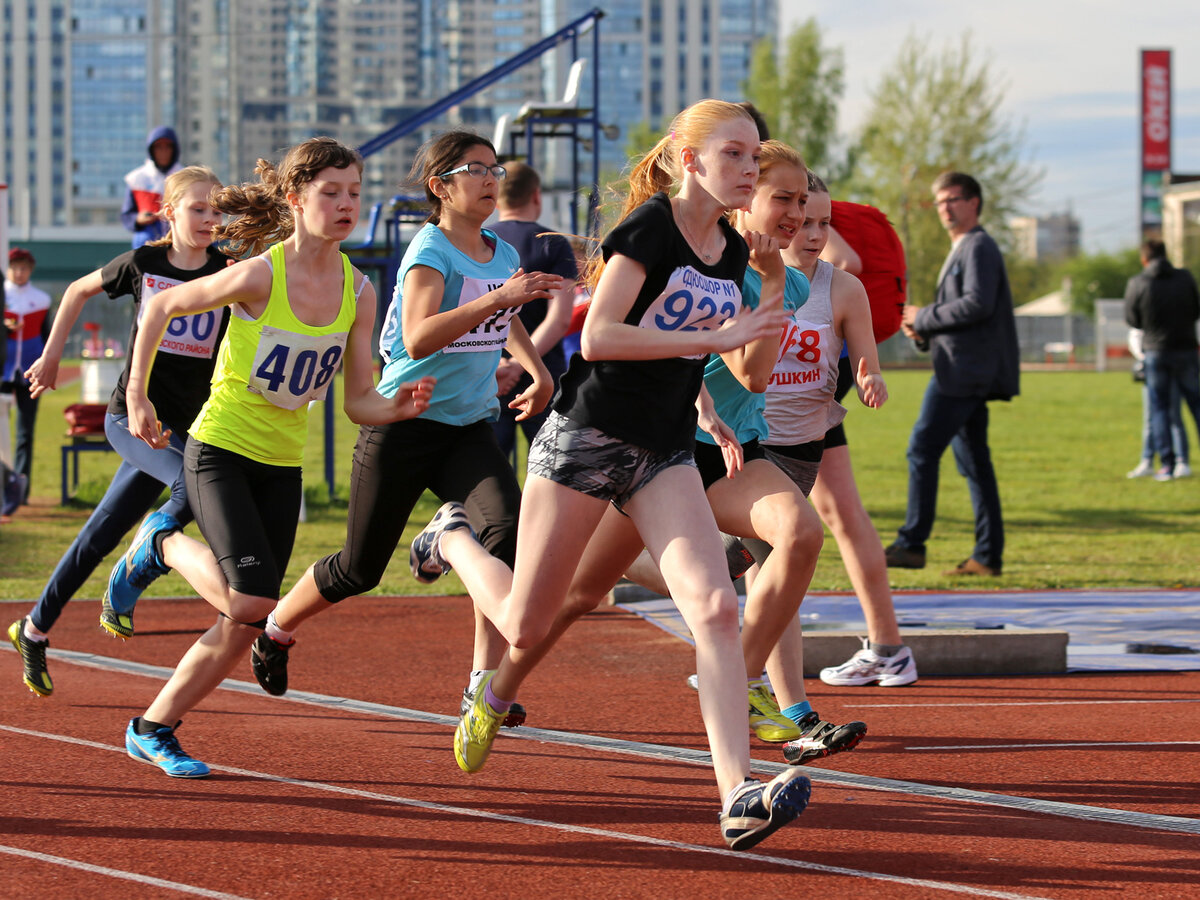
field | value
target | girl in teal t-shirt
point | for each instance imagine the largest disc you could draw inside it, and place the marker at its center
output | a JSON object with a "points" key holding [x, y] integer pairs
{"points": [[466, 366]]}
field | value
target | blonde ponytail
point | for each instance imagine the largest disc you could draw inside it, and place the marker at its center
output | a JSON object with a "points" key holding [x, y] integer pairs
{"points": [[659, 169]]}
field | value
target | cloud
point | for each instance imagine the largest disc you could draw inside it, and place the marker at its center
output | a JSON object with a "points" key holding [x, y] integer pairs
{"points": [[1070, 77]]}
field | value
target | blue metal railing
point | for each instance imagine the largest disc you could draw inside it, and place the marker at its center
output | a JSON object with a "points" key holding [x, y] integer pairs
{"points": [[385, 258], [570, 32]]}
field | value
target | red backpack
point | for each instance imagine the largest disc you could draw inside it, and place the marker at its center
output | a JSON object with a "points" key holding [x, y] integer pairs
{"points": [[884, 273]]}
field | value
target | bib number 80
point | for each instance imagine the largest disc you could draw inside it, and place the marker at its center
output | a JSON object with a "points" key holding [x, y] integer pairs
{"points": [[202, 325]]}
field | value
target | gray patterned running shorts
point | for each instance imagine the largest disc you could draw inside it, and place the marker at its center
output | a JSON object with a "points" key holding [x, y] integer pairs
{"points": [[589, 461], [802, 471]]}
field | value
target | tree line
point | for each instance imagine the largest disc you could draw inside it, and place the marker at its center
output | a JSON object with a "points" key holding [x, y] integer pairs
{"points": [[934, 108]]}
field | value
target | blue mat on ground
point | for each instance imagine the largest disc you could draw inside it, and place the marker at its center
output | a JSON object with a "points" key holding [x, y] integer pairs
{"points": [[1118, 630]]}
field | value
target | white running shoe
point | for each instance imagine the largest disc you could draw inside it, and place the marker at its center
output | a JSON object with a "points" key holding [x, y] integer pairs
{"points": [[1182, 470], [867, 666], [424, 553], [1144, 469]]}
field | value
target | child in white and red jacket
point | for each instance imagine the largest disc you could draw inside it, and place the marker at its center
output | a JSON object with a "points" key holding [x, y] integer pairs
{"points": [[144, 187], [27, 320]]}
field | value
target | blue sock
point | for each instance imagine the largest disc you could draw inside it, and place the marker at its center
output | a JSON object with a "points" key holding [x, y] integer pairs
{"points": [[798, 711]]}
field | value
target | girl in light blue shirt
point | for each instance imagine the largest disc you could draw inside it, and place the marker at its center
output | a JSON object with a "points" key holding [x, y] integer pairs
{"points": [[452, 313]]}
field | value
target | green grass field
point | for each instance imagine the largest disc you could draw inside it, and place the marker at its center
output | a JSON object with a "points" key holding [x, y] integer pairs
{"points": [[1061, 452]]}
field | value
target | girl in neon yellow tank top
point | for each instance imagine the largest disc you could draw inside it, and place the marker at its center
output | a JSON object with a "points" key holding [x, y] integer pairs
{"points": [[301, 310]]}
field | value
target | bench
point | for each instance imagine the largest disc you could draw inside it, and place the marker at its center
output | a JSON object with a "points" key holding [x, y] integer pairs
{"points": [[1063, 348], [85, 434]]}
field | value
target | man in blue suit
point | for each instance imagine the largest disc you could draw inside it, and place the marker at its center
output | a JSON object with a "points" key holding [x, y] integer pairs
{"points": [[970, 332]]}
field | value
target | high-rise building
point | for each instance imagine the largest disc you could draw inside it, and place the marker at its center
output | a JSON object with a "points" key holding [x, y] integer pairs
{"points": [[297, 68], [1042, 238], [658, 56], [84, 81]]}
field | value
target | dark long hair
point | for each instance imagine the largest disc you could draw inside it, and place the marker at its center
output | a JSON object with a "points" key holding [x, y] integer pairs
{"points": [[441, 154]]}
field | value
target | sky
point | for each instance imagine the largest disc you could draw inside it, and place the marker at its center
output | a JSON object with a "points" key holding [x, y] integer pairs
{"points": [[1071, 80]]}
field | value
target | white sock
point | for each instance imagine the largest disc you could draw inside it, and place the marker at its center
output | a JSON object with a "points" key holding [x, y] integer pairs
{"points": [[477, 677], [275, 633], [32, 633], [729, 797]]}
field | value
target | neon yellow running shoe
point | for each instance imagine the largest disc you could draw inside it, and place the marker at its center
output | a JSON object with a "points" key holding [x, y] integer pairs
{"points": [[766, 719], [119, 625], [476, 731], [33, 658]]}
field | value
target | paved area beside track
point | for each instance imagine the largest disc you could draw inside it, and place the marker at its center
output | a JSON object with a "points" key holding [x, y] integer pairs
{"points": [[997, 632]]}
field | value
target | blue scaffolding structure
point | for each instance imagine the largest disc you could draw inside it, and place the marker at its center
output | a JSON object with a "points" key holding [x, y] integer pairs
{"points": [[384, 256], [582, 123]]}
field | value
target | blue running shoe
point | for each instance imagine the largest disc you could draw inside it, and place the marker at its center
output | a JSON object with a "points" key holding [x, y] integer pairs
{"points": [[758, 810], [161, 747], [424, 558], [133, 573]]}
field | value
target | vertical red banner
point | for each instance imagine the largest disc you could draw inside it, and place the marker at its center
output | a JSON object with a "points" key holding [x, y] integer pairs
{"points": [[1156, 138], [1156, 110]]}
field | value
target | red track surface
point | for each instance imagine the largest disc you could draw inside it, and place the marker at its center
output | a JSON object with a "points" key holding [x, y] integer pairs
{"points": [[309, 800]]}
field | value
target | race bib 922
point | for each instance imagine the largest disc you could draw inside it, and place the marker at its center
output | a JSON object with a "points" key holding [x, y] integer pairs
{"points": [[692, 302]]}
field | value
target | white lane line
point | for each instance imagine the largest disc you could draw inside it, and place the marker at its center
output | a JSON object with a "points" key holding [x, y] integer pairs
{"points": [[446, 809], [1131, 818], [118, 873], [1108, 745], [991, 703]]}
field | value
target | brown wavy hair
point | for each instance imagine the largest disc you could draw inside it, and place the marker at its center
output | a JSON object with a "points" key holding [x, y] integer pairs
{"points": [[262, 214]]}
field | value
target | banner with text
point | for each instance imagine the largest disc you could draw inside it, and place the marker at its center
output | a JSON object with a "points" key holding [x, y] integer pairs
{"points": [[1156, 135]]}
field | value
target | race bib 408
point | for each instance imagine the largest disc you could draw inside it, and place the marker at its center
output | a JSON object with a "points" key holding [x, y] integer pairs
{"points": [[291, 369]]}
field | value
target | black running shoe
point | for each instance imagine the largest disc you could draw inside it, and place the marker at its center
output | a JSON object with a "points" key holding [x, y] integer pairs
{"points": [[33, 657], [819, 739], [514, 719], [760, 809], [268, 659]]}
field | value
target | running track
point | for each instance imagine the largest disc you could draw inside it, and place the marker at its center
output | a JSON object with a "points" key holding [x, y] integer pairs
{"points": [[1084, 785]]}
